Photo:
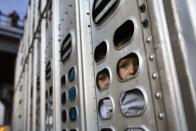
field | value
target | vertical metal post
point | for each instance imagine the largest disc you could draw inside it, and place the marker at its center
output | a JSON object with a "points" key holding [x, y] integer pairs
{"points": [[56, 65], [34, 85], [42, 71], [25, 97], [29, 92], [166, 66]]}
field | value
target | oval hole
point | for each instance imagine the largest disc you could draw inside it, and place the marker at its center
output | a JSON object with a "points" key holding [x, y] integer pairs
{"points": [[103, 79], [128, 66], [72, 93], [123, 34], [102, 9], [63, 98], [105, 107], [73, 130], [106, 129], [63, 80], [100, 52], [132, 103], [72, 74], [51, 90], [134, 129], [64, 116], [73, 114]]}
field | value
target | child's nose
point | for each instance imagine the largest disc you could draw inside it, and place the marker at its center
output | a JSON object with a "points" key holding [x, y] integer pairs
{"points": [[131, 72]]}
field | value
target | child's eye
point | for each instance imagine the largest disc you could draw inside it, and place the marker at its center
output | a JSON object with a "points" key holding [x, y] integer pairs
{"points": [[102, 77], [124, 65]]}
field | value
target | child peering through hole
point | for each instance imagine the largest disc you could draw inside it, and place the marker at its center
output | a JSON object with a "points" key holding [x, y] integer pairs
{"points": [[127, 67], [103, 79]]}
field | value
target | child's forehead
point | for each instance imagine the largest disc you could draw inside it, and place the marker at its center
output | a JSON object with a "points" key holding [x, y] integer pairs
{"points": [[127, 59], [103, 74]]}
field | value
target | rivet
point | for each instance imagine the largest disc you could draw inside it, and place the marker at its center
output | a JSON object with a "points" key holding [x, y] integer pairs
{"points": [[143, 7], [151, 57], [145, 23], [149, 39], [154, 75], [161, 116], [158, 95]]}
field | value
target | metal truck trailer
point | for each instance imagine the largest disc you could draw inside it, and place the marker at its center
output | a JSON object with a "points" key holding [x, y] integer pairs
{"points": [[107, 65]]}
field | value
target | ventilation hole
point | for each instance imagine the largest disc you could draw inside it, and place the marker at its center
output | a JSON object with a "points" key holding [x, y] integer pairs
{"points": [[73, 114], [63, 80], [51, 90], [46, 95], [102, 9], [64, 116], [123, 34], [72, 94], [105, 108], [132, 103], [134, 129], [72, 74], [100, 52], [127, 67], [46, 107], [103, 79], [48, 70], [106, 129], [63, 98], [38, 82], [66, 48]]}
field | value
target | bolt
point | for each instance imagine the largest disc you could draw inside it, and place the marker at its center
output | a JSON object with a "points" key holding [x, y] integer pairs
{"points": [[154, 75], [143, 7], [151, 57], [145, 23], [161, 116], [158, 95], [149, 39]]}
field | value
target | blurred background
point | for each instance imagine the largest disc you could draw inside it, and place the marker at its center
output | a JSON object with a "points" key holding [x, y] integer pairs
{"points": [[12, 17]]}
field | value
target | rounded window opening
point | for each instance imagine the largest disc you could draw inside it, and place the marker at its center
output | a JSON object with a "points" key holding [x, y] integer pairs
{"points": [[103, 79], [102, 9], [100, 52], [64, 116], [72, 94], [105, 108], [106, 129], [73, 114], [132, 103], [63, 98], [63, 80], [127, 67], [134, 129], [123, 34], [51, 90], [73, 130], [72, 74]]}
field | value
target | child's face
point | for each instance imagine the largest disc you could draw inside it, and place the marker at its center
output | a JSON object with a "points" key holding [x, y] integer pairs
{"points": [[103, 81], [126, 68]]}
